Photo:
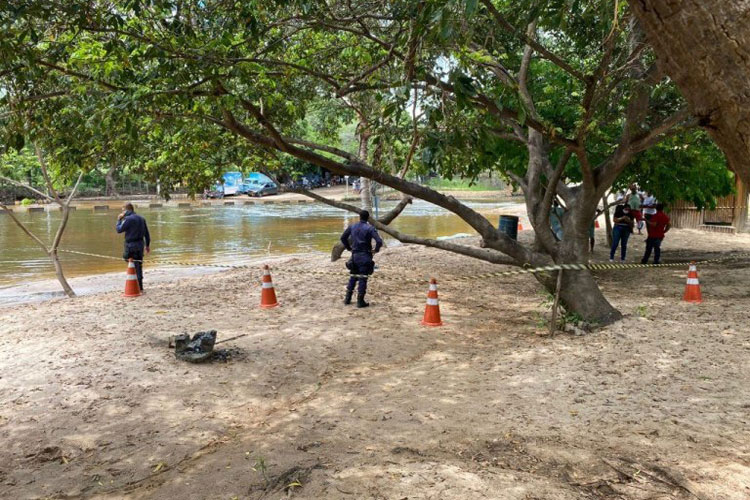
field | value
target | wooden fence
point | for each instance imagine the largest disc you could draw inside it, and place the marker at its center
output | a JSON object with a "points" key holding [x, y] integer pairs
{"points": [[731, 212]]}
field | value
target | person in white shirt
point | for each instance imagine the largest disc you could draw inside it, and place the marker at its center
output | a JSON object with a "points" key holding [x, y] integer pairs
{"points": [[649, 205]]}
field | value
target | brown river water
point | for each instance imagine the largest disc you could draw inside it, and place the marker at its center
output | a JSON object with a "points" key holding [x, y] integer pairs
{"points": [[200, 234]]}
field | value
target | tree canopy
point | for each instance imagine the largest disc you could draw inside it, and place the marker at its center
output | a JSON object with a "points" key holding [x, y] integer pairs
{"points": [[560, 97]]}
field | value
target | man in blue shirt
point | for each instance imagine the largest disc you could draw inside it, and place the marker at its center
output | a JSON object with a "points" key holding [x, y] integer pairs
{"points": [[358, 239], [136, 238]]}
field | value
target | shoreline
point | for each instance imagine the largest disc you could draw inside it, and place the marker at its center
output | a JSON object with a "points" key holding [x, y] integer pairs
{"points": [[38, 283], [44, 290], [337, 193]]}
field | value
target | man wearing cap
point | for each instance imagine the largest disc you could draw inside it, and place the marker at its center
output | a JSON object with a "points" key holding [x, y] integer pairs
{"points": [[358, 239], [657, 226], [136, 238]]}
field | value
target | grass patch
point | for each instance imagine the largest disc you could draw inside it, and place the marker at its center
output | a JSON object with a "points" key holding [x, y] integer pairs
{"points": [[464, 184]]}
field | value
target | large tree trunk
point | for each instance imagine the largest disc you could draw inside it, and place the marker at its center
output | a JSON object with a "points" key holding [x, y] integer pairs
{"points": [[56, 244], [60, 275], [580, 292], [111, 182], [704, 46]]}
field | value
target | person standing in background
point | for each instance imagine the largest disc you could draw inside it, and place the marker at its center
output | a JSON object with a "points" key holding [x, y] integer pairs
{"points": [[657, 226], [137, 238], [555, 219], [634, 201], [623, 221], [358, 239], [649, 205]]}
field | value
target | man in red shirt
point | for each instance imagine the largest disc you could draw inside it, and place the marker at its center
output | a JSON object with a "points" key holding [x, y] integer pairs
{"points": [[657, 227]]}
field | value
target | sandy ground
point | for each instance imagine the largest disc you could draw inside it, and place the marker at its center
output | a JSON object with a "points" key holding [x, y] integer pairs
{"points": [[321, 400]]}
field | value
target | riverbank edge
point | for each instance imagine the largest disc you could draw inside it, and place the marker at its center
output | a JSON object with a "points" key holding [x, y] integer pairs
{"points": [[183, 201], [40, 291]]}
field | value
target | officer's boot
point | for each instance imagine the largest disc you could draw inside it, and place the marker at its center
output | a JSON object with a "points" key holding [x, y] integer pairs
{"points": [[348, 298], [361, 300]]}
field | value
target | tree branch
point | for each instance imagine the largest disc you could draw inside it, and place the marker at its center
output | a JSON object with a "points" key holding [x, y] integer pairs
{"points": [[475, 252], [82, 76], [551, 190], [75, 188], [45, 173], [372, 69], [531, 42], [23, 228], [66, 214], [523, 74], [493, 238], [648, 139], [24, 185], [396, 211]]}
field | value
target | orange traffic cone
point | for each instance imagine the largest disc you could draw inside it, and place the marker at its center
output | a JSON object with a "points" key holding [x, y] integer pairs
{"points": [[520, 226], [432, 309], [693, 286], [267, 293], [131, 281]]}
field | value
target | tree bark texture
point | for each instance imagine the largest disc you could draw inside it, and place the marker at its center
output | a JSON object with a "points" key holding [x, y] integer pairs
{"points": [[56, 243], [704, 46], [60, 274], [110, 181], [364, 183]]}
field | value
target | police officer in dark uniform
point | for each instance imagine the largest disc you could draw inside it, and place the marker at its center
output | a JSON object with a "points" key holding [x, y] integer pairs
{"points": [[136, 238], [358, 239]]}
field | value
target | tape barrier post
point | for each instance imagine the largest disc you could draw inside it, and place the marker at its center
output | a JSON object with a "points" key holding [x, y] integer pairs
{"points": [[553, 320], [464, 278]]}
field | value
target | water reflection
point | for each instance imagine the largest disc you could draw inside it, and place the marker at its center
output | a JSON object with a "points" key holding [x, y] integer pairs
{"points": [[206, 234]]}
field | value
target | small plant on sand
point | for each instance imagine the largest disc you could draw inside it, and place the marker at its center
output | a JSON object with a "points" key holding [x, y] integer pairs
{"points": [[571, 318], [262, 468], [565, 317], [541, 320], [642, 311]]}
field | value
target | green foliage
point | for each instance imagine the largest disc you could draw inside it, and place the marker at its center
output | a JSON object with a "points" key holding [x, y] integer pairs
{"points": [[149, 86], [462, 184], [687, 167], [22, 166], [27, 201], [642, 311]]}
